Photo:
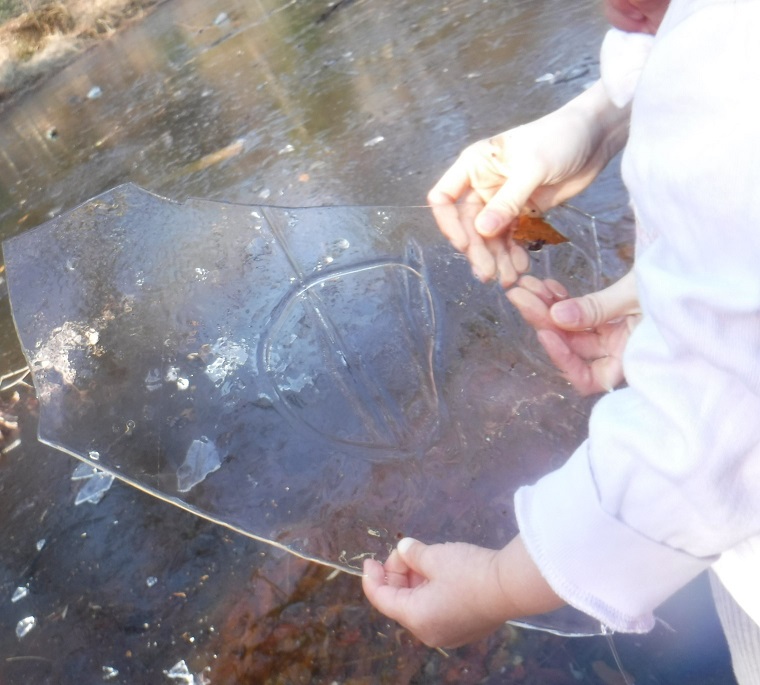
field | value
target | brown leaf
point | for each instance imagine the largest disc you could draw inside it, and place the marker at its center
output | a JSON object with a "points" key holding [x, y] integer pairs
{"points": [[532, 229]]}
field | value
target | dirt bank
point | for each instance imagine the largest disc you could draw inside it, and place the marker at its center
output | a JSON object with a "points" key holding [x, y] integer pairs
{"points": [[39, 38]]}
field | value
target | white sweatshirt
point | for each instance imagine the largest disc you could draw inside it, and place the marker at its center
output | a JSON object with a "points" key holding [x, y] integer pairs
{"points": [[668, 482]]}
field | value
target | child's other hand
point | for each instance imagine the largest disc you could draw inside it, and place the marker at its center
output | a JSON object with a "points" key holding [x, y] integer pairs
{"points": [[585, 337], [446, 594]]}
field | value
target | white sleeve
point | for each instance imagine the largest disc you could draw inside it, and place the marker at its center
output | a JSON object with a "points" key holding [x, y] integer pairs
{"points": [[669, 478], [622, 57]]}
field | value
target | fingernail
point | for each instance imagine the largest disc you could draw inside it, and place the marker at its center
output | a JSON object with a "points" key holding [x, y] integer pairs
{"points": [[556, 289], [404, 545], [566, 313], [488, 223]]}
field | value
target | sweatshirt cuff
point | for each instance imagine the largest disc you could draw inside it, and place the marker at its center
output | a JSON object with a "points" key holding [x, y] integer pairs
{"points": [[592, 560]]}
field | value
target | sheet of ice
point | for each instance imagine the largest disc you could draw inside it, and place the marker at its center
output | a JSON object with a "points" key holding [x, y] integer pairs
{"points": [[328, 380]]}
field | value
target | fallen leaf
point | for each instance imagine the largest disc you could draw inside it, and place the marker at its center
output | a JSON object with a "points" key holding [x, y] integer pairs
{"points": [[537, 232]]}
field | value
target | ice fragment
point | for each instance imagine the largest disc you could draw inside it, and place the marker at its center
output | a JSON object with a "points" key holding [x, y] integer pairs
{"points": [[95, 488], [202, 459], [83, 472], [19, 593], [181, 673], [24, 626], [229, 356]]}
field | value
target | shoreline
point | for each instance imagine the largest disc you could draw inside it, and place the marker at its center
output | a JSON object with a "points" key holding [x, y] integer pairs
{"points": [[48, 36]]}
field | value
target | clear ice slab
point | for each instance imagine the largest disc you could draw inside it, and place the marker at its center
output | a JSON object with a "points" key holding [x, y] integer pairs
{"points": [[327, 379]]}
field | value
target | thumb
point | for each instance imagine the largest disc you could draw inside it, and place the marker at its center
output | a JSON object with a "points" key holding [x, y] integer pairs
{"points": [[592, 310], [506, 205], [413, 553]]}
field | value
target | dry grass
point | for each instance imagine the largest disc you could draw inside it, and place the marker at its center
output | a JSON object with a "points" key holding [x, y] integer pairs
{"points": [[42, 37]]}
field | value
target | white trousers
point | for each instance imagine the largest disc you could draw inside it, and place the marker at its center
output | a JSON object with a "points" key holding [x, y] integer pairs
{"points": [[742, 634]]}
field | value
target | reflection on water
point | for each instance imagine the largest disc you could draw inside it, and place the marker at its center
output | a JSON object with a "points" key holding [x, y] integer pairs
{"points": [[285, 103]]}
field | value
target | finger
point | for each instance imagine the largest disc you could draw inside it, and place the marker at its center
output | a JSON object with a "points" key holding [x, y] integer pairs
{"points": [[506, 271], [507, 203], [416, 556], [449, 221], [398, 573], [520, 258], [455, 220], [595, 309], [608, 372], [511, 259], [373, 577], [385, 598], [396, 570], [547, 290], [481, 260], [531, 307], [575, 369], [454, 183], [559, 290]]}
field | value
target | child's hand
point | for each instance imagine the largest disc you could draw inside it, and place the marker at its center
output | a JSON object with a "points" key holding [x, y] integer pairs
{"points": [[531, 167], [585, 336], [445, 594], [455, 593]]}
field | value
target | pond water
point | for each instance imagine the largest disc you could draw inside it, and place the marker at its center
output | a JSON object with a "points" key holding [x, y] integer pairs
{"points": [[299, 103]]}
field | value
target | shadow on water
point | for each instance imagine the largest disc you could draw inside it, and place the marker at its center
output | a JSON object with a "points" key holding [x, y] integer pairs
{"points": [[289, 103]]}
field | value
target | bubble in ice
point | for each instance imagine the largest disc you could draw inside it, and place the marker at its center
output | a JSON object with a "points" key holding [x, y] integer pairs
{"points": [[40, 544], [109, 673], [374, 141], [202, 458], [150, 581], [153, 379], [19, 593], [24, 626], [335, 249]]}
